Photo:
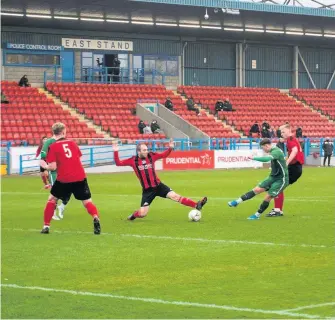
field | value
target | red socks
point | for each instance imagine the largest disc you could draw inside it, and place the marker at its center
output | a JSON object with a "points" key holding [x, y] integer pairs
{"points": [[187, 202], [45, 180], [92, 209], [49, 212], [279, 201]]}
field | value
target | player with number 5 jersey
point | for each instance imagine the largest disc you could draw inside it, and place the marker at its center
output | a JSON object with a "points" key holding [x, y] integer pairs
{"points": [[64, 156]]}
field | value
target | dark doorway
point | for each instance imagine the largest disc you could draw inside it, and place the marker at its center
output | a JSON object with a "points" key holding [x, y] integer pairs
{"points": [[109, 64]]}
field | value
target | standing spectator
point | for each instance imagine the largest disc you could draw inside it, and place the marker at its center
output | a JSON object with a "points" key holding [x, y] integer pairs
{"points": [[116, 70], [254, 129], [298, 132], [169, 104], [190, 105], [155, 128], [278, 133], [328, 149], [141, 126], [24, 81]]}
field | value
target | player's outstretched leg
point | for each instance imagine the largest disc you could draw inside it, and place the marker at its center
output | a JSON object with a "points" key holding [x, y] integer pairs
{"points": [[278, 209], [249, 195], [186, 201], [264, 205], [140, 213], [48, 213], [93, 211]]}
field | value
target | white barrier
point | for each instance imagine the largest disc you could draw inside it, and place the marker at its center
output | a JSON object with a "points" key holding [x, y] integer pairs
{"points": [[227, 159]]}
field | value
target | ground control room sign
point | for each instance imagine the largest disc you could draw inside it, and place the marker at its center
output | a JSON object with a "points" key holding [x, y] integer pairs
{"points": [[92, 44]]}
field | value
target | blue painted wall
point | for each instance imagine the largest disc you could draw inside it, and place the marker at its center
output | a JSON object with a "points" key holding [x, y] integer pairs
{"points": [[321, 65], [273, 67], [209, 64]]}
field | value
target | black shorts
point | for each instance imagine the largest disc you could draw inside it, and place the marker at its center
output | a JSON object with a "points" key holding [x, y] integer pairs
{"points": [[79, 189], [42, 169], [294, 172], [150, 194]]}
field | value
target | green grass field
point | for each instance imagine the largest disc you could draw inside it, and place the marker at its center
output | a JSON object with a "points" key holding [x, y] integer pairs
{"points": [[164, 266]]}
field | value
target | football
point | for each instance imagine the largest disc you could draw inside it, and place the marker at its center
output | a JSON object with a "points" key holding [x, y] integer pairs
{"points": [[194, 215]]}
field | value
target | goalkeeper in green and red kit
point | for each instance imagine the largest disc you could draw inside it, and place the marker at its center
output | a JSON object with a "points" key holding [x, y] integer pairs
{"points": [[52, 178], [274, 184]]}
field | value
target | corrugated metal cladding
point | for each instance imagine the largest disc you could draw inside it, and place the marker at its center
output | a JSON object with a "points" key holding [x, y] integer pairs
{"points": [[268, 67], [141, 46], [321, 65], [210, 64]]}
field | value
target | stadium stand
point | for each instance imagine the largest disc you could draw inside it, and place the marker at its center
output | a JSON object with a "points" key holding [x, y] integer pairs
{"points": [[259, 104], [111, 107], [321, 100], [29, 115]]}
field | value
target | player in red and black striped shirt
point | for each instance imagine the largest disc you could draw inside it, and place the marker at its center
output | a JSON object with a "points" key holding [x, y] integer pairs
{"points": [[143, 165], [294, 163]]}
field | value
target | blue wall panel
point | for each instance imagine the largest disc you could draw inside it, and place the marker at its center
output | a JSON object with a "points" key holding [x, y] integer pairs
{"points": [[273, 67], [321, 65], [210, 64]]}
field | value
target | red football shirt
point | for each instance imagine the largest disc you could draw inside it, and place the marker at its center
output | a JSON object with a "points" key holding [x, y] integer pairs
{"points": [[292, 142], [67, 155]]}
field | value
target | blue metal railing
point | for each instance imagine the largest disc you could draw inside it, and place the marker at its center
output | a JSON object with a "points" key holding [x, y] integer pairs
{"points": [[94, 155], [103, 75]]}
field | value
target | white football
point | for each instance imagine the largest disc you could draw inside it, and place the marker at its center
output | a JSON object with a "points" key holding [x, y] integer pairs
{"points": [[194, 215]]}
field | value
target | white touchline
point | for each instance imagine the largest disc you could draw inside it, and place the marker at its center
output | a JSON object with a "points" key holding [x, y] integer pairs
{"points": [[222, 241], [160, 301], [312, 306], [300, 199]]}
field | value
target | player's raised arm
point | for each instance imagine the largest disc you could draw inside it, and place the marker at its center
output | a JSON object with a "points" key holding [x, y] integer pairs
{"points": [[164, 154], [261, 159], [118, 162]]}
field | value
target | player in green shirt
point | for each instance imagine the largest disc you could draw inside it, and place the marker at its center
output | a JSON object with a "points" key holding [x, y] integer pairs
{"points": [[53, 177], [273, 185]]}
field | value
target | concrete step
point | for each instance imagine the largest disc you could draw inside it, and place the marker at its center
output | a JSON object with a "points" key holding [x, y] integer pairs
{"points": [[74, 112]]}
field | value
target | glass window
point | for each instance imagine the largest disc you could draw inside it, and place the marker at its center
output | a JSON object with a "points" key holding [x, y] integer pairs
{"points": [[87, 55], [168, 65], [123, 59], [32, 59]]}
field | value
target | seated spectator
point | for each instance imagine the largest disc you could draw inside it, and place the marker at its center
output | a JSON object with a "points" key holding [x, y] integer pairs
{"points": [[3, 98], [155, 128], [147, 130], [141, 126], [218, 106], [227, 106], [254, 130], [24, 81], [298, 132], [190, 105], [169, 104], [265, 130]]}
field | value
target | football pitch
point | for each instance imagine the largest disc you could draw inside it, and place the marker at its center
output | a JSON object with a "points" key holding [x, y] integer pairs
{"points": [[164, 266]]}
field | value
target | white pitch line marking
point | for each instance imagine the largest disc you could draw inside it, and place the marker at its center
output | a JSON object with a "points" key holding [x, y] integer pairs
{"points": [[222, 241], [160, 301], [312, 306]]}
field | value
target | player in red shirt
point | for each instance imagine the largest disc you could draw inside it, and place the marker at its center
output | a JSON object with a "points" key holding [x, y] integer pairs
{"points": [[64, 155], [43, 172], [143, 165], [294, 162]]}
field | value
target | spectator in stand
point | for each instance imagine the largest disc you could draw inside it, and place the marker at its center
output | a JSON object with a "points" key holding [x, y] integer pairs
{"points": [[278, 133], [227, 106], [298, 132], [328, 149], [24, 81], [169, 104], [141, 126], [280, 144], [3, 98], [190, 105], [155, 128], [218, 106], [266, 130], [254, 130], [147, 130], [116, 69]]}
